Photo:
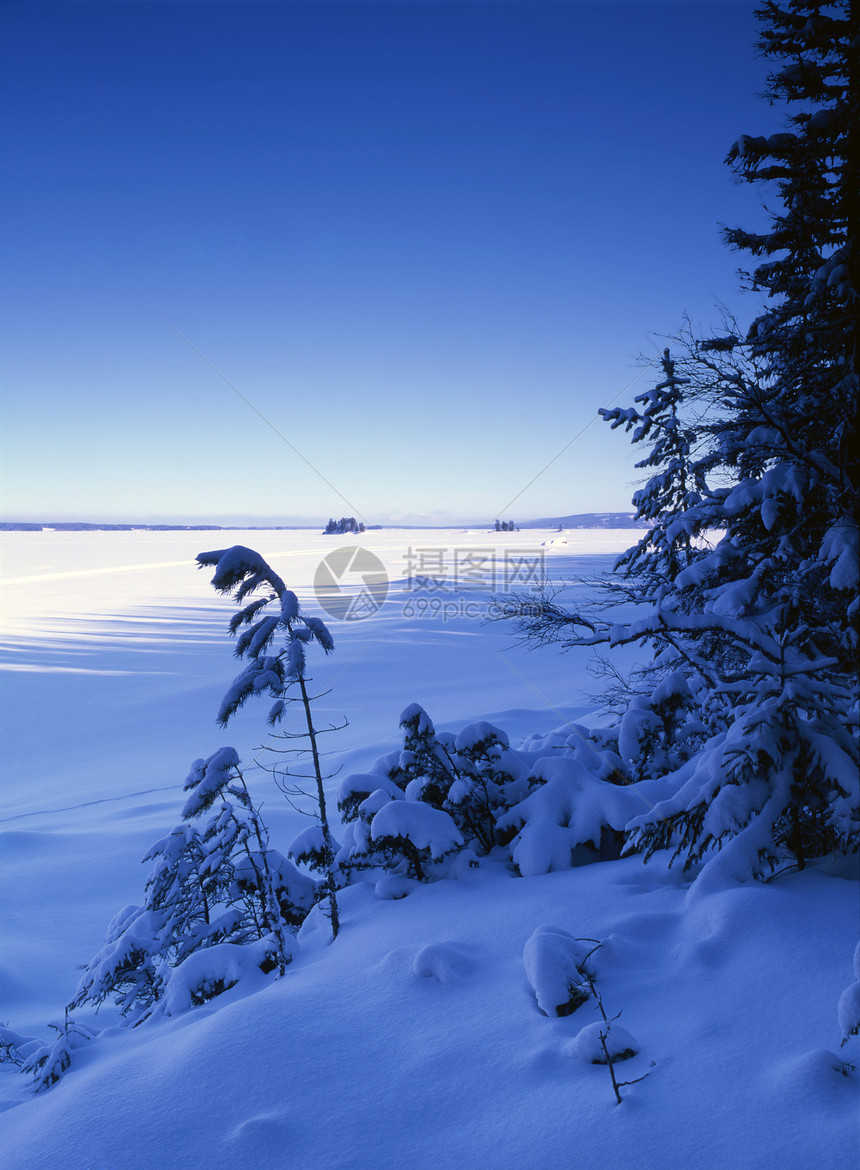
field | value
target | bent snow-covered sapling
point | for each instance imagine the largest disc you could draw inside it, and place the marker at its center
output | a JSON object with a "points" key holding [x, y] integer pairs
{"points": [[240, 572]]}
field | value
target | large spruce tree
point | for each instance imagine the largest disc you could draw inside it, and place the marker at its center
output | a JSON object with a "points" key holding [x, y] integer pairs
{"points": [[797, 430], [750, 697]]}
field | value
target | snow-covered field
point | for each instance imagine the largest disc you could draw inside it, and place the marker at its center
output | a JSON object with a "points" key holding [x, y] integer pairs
{"points": [[415, 1039]]}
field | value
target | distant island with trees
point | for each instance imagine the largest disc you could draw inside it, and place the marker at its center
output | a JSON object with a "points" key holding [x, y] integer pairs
{"points": [[345, 524]]}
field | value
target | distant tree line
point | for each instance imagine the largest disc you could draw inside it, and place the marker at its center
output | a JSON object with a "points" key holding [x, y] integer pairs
{"points": [[84, 526]]}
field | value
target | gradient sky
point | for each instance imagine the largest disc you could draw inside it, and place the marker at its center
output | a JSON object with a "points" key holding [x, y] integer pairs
{"points": [[425, 241]]}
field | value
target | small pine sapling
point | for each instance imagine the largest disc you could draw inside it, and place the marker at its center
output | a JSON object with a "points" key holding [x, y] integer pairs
{"points": [[490, 779], [215, 880], [416, 832], [237, 842], [48, 1064]]}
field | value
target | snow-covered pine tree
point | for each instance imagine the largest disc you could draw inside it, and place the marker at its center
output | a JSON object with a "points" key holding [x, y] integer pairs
{"points": [[471, 776], [47, 1063], [777, 600], [676, 484], [241, 571], [761, 629], [795, 433], [407, 840]]}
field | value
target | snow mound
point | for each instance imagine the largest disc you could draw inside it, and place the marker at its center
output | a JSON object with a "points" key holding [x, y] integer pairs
{"points": [[394, 886], [446, 962]]}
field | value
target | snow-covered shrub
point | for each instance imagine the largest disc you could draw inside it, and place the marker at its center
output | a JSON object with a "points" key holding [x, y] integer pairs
{"points": [[491, 779], [604, 1042], [210, 972], [294, 892], [558, 812], [416, 831], [257, 880], [562, 976], [441, 794], [360, 798], [355, 789], [311, 848], [471, 775], [49, 1065], [568, 812], [129, 967]]}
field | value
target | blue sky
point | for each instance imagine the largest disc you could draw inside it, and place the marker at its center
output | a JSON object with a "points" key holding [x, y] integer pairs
{"points": [[424, 241]]}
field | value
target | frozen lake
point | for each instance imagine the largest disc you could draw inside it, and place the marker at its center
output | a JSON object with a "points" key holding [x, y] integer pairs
{"points": [[115, 657]]}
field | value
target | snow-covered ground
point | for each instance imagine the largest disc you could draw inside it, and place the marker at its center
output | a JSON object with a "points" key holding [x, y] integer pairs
{"points": [[416, 1038]]}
